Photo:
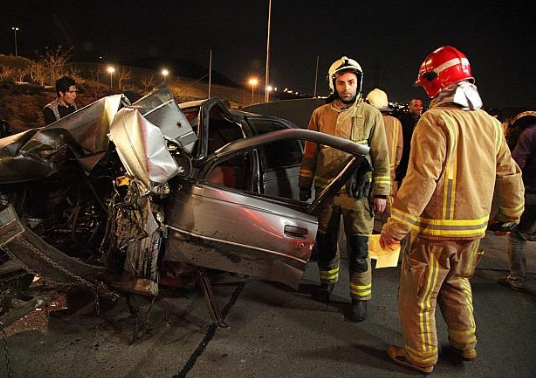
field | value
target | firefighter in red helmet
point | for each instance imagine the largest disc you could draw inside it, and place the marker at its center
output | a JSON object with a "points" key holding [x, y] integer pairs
{"points": [[444, 205]]}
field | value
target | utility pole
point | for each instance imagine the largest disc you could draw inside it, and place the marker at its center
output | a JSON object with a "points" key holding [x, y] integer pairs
{"points": [[267, 74], [377, 71], [316, 75], [209, 71]]}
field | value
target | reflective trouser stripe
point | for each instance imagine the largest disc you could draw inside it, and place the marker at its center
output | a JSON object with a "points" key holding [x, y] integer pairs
{"points": [[361, 291], [461, 339], [426, 306], [329, 276], [436, 272], [361, 284]]}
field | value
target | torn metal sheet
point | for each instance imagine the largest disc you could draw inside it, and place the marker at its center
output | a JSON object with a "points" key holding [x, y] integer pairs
{"points": [[142, 149], [159, 108], [39, 153]]}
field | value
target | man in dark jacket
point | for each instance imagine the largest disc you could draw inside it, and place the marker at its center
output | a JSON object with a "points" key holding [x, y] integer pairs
{"points": [[408, 120], [64, 104], [524, 154]]}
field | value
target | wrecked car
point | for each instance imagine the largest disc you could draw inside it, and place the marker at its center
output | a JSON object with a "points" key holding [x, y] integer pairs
{"points": [[120, 197]]}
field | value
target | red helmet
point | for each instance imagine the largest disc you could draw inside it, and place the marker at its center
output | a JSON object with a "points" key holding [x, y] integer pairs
{"points": [[443, 67]]}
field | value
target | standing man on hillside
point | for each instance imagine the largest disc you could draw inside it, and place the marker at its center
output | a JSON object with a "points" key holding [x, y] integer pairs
{"points": [[64, 103], [408, 120], [444, 205], [346, 115]]}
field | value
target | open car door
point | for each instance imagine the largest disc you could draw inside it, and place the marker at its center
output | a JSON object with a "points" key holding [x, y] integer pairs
{"points": [[220, 227]]}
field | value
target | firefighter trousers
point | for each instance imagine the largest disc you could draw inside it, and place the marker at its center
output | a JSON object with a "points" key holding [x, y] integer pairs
{"points": [[358, 223], [437, 272]]}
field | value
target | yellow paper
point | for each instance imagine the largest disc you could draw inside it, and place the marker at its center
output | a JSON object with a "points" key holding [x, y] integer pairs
{"points": [[385, 258]]}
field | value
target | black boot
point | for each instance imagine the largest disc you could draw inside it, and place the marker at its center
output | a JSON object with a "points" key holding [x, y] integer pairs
{"points": [[358, 312], [321, 293]]}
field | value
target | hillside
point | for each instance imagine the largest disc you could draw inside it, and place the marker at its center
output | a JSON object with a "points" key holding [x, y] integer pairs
{"points": [[21, 102]]}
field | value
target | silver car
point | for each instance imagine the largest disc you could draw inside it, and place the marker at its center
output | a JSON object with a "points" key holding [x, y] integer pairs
{"points": [[115, 195]]}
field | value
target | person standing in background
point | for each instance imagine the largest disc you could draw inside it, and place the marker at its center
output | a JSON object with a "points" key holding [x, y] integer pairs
{"points": [[524, 154], [395, 142], [64, 104], [408, 120]]}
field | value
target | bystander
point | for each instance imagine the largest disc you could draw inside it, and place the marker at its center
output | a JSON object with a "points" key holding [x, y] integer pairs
{"points": [[64, 104]]}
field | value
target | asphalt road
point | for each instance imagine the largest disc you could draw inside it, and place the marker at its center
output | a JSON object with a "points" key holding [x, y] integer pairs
{"points": [[277, 332]]}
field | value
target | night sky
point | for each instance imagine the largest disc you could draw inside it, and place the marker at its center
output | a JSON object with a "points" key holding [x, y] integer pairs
{"points": [[389, 38]]}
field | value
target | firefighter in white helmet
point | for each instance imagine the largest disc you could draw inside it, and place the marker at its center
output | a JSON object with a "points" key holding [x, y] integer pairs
{"points": [[444, 204], [346, 115], [395, 142]]}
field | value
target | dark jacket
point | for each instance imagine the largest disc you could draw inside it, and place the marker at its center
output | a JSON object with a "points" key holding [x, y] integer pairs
{"points": [[524, 154]]}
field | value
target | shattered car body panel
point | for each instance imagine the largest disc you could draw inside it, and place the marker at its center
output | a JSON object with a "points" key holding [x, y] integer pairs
{"points": [[39, 153], [142, 149], [129, 187]]}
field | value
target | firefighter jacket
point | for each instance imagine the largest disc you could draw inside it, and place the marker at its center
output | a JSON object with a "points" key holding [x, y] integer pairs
{"points": [[395, 142], [361, 123], [456, 159]]}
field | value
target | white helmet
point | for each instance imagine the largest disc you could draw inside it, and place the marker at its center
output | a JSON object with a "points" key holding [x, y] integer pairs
{"points": [[379, 100], [344, 64]]}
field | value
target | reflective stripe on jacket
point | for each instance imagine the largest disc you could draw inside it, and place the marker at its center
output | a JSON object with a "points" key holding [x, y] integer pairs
{"points": [[361, 123], [456, 159]]}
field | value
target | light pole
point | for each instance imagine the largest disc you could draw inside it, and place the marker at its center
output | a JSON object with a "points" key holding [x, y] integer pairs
{"points": [[267, 74], [15, 30], [111, 70], [165, 73], [316, 75], [209, 72], [268, 89], [253, 82]]}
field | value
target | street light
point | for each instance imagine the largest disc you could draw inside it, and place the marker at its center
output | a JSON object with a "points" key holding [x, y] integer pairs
{"points": [[111, 70], [253, 82], [15, 30], [165, 73], [267, 90]]}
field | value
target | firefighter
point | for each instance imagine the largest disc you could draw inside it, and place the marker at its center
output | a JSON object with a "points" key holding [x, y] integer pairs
{"points": [[395, 142], [347, 115], [444, 204]]}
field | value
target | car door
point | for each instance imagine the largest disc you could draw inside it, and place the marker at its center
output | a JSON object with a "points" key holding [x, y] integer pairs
{"points": [[280, 161], [215, 226]]}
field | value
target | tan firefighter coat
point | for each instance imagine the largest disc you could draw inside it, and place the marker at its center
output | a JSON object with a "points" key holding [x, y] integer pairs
{"points": [[456, 159], [395, 141], [361, 123]]}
